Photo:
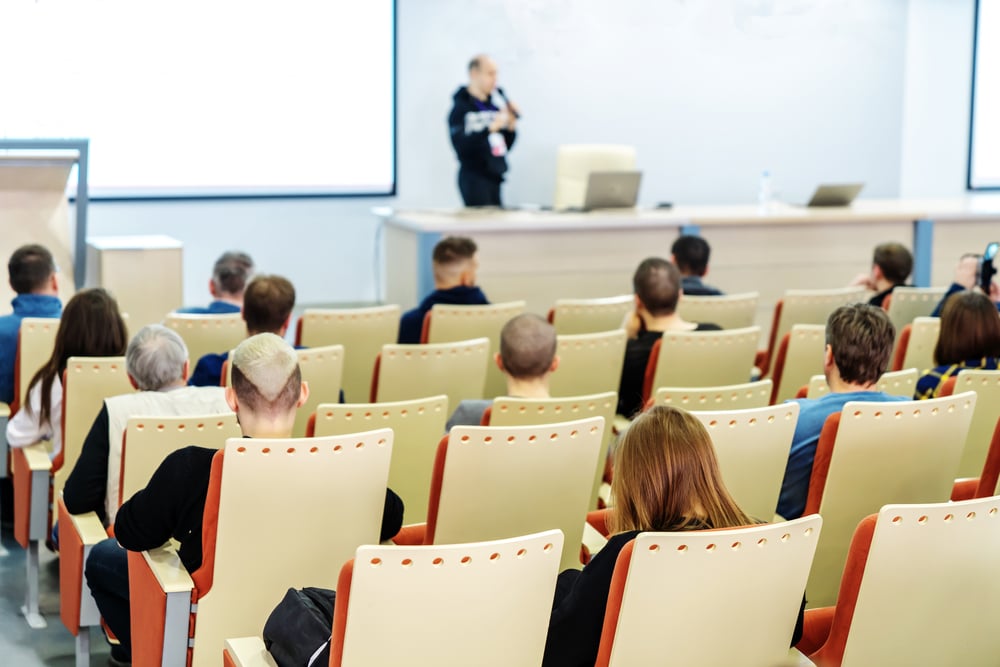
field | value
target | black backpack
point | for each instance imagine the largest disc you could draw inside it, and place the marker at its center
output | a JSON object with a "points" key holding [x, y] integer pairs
{"points": [[298, 631]]}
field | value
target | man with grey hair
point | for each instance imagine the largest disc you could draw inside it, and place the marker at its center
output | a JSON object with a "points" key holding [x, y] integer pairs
{"points": [[266, 391], [157, 365], [527, 358], [230, 275]]}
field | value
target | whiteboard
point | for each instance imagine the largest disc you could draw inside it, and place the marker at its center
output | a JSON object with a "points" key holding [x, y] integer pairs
{"points": [[984, 144]]}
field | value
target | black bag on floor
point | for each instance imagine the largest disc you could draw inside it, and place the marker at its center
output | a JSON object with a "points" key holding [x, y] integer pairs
{"points": [[298, 631]]}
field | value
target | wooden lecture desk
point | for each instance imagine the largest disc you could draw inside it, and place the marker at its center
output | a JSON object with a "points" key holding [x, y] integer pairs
{"points": [[540, 256]]}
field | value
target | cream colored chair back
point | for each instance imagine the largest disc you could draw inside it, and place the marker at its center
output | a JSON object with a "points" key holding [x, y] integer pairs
{"points": [[406, 372], [923, 339], [574, 162], [730, 397], [582, 316], [323, 369], [362, 332], [500, 481], [417, 425], [892, 452], [894, 383], [813, 306], [929, 593], [454, 323], [752, 447], [37, 339], [745, 584], [494, 598], [730, 311], [207, 334], [509, 411], [588, 363], [706, 358], [803, 359], [88, 381], [288, 509], [909, 303], [149, 440], [986, 384]]}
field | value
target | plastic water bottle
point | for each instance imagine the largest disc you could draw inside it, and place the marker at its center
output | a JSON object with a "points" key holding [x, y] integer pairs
{"points": [[764, 192]]}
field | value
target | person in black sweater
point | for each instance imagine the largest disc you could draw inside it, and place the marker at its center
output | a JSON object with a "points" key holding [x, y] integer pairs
{"points": [[482, 132], [173, 503], [666, 479], [657, 286], [455, 263], [892, 264], [690, 255]]}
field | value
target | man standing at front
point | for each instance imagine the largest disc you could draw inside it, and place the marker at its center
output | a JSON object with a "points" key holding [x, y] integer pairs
{"points": [[482, 132]]}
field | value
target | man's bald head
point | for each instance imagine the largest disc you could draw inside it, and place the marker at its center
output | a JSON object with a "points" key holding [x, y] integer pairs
{"points": [[527, 346], [657, 283], [482, 75]]}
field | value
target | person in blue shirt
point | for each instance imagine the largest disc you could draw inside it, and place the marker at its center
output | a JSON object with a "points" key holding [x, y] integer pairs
{"points": [[230, 275], [267, 308], [455, 263], [32, 274], [859, 340]]}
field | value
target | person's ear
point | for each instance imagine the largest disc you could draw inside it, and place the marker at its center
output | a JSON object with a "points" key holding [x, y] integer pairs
{"points": [[54, 283], [499, 362], [284, 327], [303, 395], [131, 381], [186, 371], [231, 400], [877, 272], [555, 364], [212, 290], [828, 362]]}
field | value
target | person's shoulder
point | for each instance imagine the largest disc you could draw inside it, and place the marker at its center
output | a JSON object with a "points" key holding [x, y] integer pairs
{"points": [[186, 459], [707, 326], [192, 310]]}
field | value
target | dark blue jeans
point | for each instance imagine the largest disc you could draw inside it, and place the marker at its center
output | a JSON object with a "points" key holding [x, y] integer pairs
{"points": [[106, 571]]}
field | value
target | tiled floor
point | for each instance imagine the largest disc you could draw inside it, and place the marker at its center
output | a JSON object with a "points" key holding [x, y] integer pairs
{"points": [[20, 646]]}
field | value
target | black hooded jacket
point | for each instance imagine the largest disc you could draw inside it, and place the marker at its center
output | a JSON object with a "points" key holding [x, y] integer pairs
{"points": [[469, 123]]}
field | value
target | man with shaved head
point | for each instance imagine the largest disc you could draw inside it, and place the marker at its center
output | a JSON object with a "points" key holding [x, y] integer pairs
{"points": [[483, 126], [527, 358], [266, 391]]}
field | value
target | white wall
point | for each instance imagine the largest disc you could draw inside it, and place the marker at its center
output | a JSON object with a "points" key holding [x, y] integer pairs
{"points": [[709, 92]]}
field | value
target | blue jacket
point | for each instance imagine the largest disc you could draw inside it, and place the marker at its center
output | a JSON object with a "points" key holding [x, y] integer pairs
{"points": [[412, 322], [214, 308], [25, 305]]}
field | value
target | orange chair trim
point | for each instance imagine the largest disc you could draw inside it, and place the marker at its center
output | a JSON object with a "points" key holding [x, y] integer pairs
{"points": [[803, 391], [551, 317], [487, 416], [598, 519], [311, 426], [991, 467], [779, 366], [341, 606], [901, 345], [771, 339], [425, 328], [298, 333], [615, 594], [948, 387], [374, 390], [821, 463], [22, 496], [149, 618], [650, 376], [203, 576], [70, 571], [434, 500]]}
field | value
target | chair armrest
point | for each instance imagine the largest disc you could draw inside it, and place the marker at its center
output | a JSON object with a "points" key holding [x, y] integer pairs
{"points": [[964, 488], [593, 540], [37, 457], [32, 481], [247, 652], [598, 521], [816, 627], [4, 411], [77, 534], [798, 659], [411, 536], [161, 593]]}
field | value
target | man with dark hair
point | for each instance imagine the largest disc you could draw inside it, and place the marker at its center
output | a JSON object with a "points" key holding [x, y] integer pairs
{"points": [[657, 286], [892, 264], [229, 279], [267, 391], [455, 263], [267, 308], [527, 358], [32, 275], [482, 131], [690, 255], [859, 341]]}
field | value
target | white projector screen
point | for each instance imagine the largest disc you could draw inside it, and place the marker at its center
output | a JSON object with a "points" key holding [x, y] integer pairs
{"points": [[208, 98], [984, 140]]}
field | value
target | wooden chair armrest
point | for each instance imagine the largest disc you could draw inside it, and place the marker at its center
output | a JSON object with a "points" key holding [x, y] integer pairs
{"points": [[161, 590], [798, 659], [166, 566], [32, 476], [37, 457], [247, 652], [4, 411], [411, 536], [77, 534]]}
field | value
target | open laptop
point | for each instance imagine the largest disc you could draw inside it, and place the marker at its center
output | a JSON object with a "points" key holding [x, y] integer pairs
{"points": [[830, 194], [612, 189]]}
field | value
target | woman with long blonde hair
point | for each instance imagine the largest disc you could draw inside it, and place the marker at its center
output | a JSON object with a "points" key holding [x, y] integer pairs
{"points": [[666, 478]]}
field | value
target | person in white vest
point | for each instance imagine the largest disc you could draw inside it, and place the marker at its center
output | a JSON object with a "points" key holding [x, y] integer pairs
{"points": [[157, 365]]}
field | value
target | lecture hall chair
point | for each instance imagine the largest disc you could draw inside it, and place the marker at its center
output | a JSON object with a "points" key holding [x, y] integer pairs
{"points": [[728, 397], [701, 359], [729, 311], [919, 588], [583, 316], [894, 383], [493, 598], [325, 499], [709, 597], [588, 363], [799, 357], [406, 372], [876, 453], [915, 346], [207, 334]]}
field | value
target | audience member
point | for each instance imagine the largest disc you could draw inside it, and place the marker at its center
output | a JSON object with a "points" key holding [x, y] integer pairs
{"points": [[657, 286], [230, 275], [666, 479], [32, 274], [892, 264], [267, 308], [967, 278], [969, 338], [156, 363], [266, 392], [91, 326], [859, 341], [455, 263], [690, 255], [527, 357]]}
